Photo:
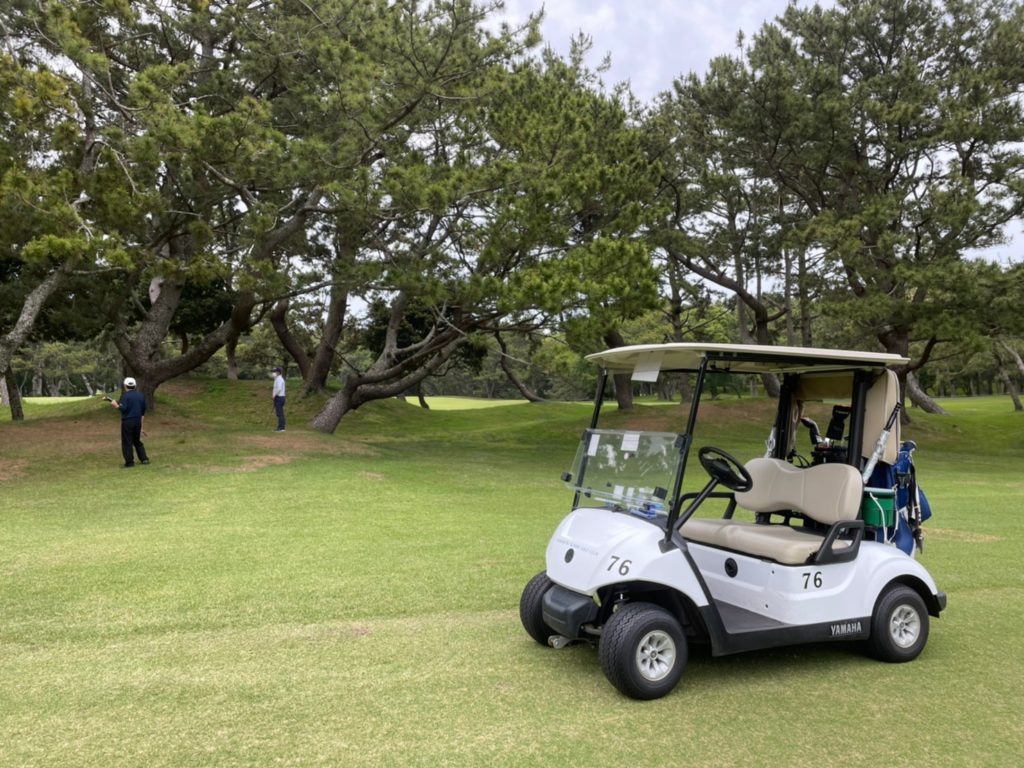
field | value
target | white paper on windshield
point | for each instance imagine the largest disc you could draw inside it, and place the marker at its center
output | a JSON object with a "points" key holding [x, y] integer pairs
{"points": [[595, 440], [647, 369], [630, 442]]}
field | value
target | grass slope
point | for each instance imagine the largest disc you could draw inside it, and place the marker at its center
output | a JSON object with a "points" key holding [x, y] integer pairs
{"points": [[300, 599]]}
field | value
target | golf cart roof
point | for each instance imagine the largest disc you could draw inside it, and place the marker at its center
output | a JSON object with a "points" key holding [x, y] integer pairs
{"points": [[737, 358]]}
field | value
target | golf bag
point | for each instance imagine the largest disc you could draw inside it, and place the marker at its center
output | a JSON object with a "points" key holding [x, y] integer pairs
{"points": [[911, 505]]}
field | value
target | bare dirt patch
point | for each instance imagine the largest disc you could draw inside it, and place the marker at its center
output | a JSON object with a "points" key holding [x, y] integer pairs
{"points": [[299, 442], [255, 463], [968, 537], [331, 632], [59, 439], [283, 448], [11, 469]]}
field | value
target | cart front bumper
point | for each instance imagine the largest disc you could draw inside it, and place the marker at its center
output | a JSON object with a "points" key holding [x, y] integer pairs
{"points": [[566, 611]]}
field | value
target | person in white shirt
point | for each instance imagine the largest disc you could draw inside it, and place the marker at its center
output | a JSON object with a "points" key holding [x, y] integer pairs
{"points": [[279, 398]]}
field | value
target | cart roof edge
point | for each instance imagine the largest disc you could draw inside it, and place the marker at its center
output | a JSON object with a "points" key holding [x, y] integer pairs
{"points": [[739, 358]]}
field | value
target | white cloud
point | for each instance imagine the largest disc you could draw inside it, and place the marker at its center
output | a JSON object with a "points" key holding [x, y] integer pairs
{"points": [[651, 42]]}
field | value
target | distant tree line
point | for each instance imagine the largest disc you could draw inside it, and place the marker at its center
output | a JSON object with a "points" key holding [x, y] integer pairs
{"points": [[396, 196]]}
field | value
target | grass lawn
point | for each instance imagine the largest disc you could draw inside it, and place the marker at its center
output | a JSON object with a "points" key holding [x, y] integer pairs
{"points": [[465, 403], [43, 402], [296, 599]]}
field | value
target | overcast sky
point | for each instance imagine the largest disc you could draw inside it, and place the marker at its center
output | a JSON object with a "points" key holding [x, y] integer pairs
{"points": [[651, 42]]}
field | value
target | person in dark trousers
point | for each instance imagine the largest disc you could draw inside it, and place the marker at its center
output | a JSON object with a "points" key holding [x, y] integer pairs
{"points": [[133, 408], [279, 398]]}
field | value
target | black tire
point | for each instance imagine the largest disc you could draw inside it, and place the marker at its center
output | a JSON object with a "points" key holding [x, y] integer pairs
{"points": [[531, 608], [899, 625], [643, 651]]}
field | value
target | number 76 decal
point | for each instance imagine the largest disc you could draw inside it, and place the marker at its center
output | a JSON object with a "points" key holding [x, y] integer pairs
{"points": [[815, 581], [623, 565]]}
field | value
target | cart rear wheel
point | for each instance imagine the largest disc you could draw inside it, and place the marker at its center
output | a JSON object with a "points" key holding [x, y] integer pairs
{"points": [[899, 626], [531, 608], [643, 651]]}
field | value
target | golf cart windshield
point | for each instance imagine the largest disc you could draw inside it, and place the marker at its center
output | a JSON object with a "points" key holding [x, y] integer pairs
{"points": [[628, 470]]}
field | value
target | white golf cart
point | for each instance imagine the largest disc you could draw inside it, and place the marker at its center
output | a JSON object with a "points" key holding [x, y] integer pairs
{"points": [[805, 550]]}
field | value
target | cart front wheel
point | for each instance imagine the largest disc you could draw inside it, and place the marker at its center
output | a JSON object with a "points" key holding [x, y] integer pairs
{"points": [[531, 608], [643, 651], [899, 627]]}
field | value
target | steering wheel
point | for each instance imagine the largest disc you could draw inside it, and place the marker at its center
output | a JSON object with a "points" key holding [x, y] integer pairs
{"points": [[725, 469]]}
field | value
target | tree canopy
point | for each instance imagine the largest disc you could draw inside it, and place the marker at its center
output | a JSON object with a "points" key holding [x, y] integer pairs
{"points": [[174, 173], [884, 135]]}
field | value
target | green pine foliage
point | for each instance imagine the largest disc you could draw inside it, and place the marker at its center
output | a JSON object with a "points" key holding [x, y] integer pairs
{"points": [[830, 181]]}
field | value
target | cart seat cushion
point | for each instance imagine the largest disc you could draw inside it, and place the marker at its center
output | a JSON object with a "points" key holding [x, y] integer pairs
{"points": [[827, 493], [709, 530], [781, 543]]}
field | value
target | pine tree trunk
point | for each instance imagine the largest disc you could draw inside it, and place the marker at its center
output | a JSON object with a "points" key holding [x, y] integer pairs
{"points": [[320, 368], [897, 342], [920, 398], [330, 415], [623, 381], [787, 255], [1008, 383], [804, 300], [1011, 389], [518, 383], [676, 318], [230, 351], [388, 377], [1014, 356], [14, 396], [279, 322], [30, 309], [685, 388], [142, 353]]}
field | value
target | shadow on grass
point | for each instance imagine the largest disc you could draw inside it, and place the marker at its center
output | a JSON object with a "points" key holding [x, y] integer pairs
{"points": [[703, 670]]}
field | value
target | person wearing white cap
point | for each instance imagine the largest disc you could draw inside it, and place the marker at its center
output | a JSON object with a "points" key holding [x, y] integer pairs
{"points": [[133, 409]]}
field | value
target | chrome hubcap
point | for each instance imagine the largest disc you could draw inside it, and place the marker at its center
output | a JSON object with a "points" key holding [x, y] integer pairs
{"points": [[905, 626], [656, 655]]}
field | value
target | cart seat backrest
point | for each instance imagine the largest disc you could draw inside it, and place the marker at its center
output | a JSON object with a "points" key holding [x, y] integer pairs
{"points": [[827, 493], [881, 400]]}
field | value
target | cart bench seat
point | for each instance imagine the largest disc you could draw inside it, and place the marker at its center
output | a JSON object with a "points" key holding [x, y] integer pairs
{"points": [[783, 543], [827, 493]]}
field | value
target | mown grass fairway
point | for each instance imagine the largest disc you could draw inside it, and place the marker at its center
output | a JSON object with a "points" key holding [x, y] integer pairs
{"points": [[253, 599]]}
